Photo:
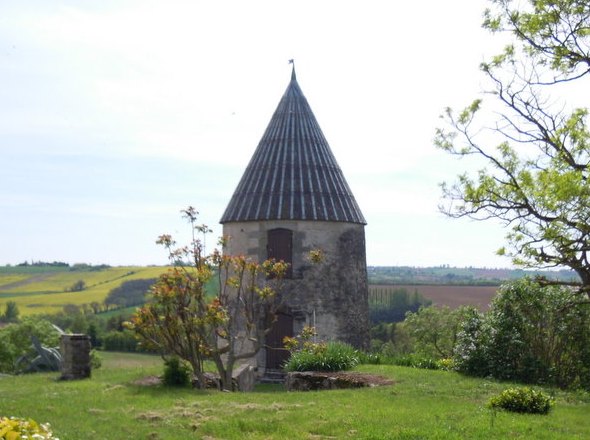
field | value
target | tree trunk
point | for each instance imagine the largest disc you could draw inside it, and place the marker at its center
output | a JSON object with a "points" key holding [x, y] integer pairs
{"points": [[198, 372]]}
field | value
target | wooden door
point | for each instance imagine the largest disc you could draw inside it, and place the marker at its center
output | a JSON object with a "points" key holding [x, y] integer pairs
{"points": [[276, 354]]}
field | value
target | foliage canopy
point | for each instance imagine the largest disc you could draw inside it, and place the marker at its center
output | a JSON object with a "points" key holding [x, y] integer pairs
{"points": [[184, 320], [532, 333], [537, 152]]}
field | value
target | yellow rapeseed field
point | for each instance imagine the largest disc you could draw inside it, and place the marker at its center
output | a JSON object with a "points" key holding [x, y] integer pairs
{"points": [[49, 292]]}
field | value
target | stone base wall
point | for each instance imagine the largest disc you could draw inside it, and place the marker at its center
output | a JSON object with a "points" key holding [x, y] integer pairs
{"points": [[75, 350], [333, 295]]}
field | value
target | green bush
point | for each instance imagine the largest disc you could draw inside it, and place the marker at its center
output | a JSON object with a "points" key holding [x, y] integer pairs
{"points": [[522, 400], [333, 356], [434, 330], [532, 333], [176, 373], [15, 340], [17, 428], [95, 360]]}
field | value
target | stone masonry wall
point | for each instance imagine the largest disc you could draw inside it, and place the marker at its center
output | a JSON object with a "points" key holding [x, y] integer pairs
{"points": [[332, 295]]}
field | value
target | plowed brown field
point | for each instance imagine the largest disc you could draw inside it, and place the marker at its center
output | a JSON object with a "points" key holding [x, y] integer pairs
{"points": [[453, 296]]}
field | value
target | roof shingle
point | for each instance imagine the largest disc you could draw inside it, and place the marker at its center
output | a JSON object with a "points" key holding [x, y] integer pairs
{"points": [[293, 174]]}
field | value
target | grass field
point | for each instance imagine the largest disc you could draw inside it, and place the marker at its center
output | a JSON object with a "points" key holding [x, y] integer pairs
{"points": [[47, 292], [421, 404]]}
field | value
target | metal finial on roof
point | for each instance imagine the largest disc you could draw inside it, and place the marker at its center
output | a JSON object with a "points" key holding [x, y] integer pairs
{"points": [[293, 76]]}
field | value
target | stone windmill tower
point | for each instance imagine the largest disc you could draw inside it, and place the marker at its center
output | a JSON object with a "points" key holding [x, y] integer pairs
{"points": [[291, 199]]}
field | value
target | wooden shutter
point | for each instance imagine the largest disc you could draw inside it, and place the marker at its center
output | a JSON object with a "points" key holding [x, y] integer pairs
{"points": [[280, 247]]}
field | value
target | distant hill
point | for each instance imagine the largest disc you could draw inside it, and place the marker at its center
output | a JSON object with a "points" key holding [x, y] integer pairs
{"points": [[47, 288], [455, 276]]}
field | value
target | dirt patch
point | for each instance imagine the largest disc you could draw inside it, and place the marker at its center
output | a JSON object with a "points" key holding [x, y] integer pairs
{"points": [[148, 381], [30, 280], [362, 379], [369, 380]]}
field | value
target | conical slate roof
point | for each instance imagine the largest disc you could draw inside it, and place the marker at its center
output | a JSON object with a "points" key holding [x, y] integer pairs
{"points": [[293, 174]]}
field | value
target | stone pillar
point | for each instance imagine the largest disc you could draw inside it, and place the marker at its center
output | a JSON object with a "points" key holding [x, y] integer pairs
{"points": [[75, 352]]}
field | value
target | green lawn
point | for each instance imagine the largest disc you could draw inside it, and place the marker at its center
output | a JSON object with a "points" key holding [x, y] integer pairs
{"points": [[420, 404]]}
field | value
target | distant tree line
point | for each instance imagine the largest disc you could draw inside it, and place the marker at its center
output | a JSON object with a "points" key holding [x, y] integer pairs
{"points": [[130, 293], [43, 264], [387, 304], [446, 275], [74, 267]]}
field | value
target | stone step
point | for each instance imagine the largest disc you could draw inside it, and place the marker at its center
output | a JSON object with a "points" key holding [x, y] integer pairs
{"points": [[273, 376]]}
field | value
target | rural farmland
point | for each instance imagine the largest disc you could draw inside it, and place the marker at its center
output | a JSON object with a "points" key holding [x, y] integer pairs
{"points": [[48, 289], [452, 296]]}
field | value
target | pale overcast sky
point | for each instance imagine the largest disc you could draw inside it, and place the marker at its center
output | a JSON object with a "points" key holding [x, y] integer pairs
{"points": [[115, 115]]}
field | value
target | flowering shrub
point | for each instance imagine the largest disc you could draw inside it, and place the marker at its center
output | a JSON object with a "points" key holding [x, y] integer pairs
{"points": [[333, 356], [14, 428], [446, 364], [318, 356], [522, 400]]}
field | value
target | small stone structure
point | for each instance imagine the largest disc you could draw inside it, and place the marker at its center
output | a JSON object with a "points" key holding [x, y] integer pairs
{"points": [[318, 380], [75, 351], [244, 378]]}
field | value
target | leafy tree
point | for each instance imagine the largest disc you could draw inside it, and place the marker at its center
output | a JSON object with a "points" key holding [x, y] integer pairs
{"points": [[391, 305], [391, 339], [434, 330], [92, 332], [95, 306], [182, 319], [536, 149], [114, 340], [78, 286]]}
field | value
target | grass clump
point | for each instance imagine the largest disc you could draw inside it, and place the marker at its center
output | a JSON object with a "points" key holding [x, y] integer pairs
{"points": [[410, 360], [333, 356], [522, 400]]}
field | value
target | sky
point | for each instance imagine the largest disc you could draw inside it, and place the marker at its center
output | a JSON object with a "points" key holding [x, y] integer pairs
{"points": [[115, 115]]}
